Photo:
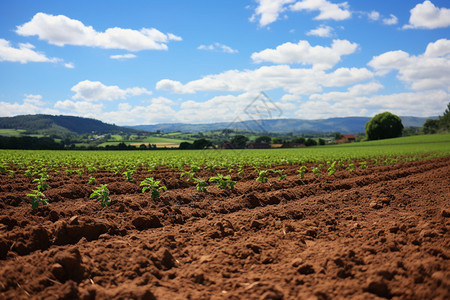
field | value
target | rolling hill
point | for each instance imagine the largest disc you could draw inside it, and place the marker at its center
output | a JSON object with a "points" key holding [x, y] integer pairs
{"points": [[60, 125], [343, 125]]}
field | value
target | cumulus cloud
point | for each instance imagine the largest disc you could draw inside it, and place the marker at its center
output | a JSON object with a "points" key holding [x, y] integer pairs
{"points": [[420, 104], [328, 10], [23, 54], [427, 16], [82, 108], [373, 15], [430, 70], [217, 47], [318, 56], [268, 11], [61, 30], [392, 20], [31, 104], [122, 56], [95, 91], [292, 80], [322, 31]]}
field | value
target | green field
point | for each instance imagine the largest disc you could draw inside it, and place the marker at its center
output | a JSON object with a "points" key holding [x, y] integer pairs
{"points": [[11, 132], [391, 151]]}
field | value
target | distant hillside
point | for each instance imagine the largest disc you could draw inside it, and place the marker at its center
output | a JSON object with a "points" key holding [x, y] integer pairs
{"points": [[343, 125], [60, 125]]}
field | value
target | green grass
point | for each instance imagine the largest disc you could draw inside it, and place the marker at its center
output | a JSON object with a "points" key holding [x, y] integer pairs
{"points": [[415, 139], [11, 132], [414, 149], [155, 139]]}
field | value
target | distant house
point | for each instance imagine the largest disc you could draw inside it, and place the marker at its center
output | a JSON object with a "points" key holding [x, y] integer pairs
{"points": [[258, 145], [276, 145], [346, 138]]}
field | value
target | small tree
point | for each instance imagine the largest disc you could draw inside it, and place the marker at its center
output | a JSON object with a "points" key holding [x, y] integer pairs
{"points": [[430, 126], [384, 126], [239, 141]]}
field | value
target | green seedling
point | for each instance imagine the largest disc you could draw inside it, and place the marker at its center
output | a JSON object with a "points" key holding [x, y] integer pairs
{"points": [[189, 175], [223, 182], [351, 167], [80, 172], [11, 173], [263, 176], [201, 185], [128, 176], [149, 184], [301, 172], [42, 182], [332, 169], [91, 180], [363, 165], [69, 172], [37, 198], [281, 176], [316, 171], [101, 194]]}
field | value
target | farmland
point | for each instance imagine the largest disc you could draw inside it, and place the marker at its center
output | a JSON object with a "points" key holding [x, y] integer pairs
{"points": [[362, 221]]}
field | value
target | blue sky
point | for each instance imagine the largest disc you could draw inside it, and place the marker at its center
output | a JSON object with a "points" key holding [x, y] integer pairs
{"points": [[148, 62]]}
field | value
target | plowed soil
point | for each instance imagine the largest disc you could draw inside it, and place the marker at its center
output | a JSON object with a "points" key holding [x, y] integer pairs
{"points": [[380, 232]]}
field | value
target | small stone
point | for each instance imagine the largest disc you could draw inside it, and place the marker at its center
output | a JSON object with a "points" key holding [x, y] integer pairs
{"points": [[58, 271], [375, 205], [74, 221]]}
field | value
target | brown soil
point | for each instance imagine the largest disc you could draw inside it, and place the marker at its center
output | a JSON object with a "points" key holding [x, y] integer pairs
{"points": [[382, 232]]}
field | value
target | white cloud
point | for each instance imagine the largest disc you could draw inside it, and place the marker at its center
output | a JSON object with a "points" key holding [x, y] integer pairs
{"points": [[353, 91], [95, 90], [428, 71], [61, 30], [428, 16], [217, 47], [122, 56], [374, 15], [322, 31], [420, 104], [292, 80], [23, 54], [33, 100], [269, 11], [81, 108], [159, 110], [32, 104], [69, 65], [392, 20], [328, 10], [302, 52]]}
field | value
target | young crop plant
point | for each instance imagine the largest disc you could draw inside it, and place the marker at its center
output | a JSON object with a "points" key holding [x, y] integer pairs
{"points": [[240, 171], [37, 198], [91, 180], [80, 172], [351, 167], [69, 172], [11, 173], [101, 194], [281, 176], [223, 182], [42, 182], [316, 171], [189, 175], [149, 184], [332, 169], [301, 172], [128, 176], [363, 165], [201, 185], [263, 176]]}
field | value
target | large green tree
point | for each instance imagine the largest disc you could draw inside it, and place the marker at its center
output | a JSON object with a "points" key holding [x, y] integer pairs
{"points": [[384, 126]]}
